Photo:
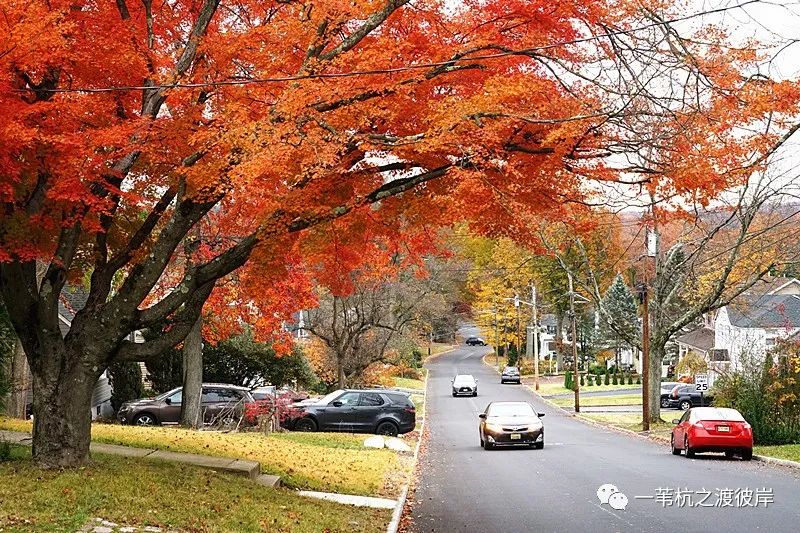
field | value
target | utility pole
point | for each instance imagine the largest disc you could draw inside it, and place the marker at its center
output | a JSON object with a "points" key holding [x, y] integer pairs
{"points": [[645, 360], [577, 380], [519, 331], [496, 336], [535, 333]]}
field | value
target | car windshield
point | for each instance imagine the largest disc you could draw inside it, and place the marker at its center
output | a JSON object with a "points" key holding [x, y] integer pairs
{"points": [[510, 409], [164, 395], [511, 370], [717, 413], [463, 380]]}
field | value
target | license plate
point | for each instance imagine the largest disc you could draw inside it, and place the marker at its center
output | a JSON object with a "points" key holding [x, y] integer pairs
{"points": [[516, 436], [723, 429]]}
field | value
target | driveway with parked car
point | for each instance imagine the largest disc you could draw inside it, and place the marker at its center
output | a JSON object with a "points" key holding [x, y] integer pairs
{"points": [[384, 412], [216, 400]]}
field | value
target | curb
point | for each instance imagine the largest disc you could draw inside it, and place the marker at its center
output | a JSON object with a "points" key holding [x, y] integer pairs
{"points": [[397, 515], [776, 461]]}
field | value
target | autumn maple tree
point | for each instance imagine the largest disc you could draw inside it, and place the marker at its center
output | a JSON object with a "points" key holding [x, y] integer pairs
{"points": [[127, 124]]}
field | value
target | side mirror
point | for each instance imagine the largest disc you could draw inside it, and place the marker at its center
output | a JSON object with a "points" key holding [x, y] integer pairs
{"points": [[676, 421], [452, 381], [337, 403], [168, 401], [476, 381], [540, 415], [482, 415]]}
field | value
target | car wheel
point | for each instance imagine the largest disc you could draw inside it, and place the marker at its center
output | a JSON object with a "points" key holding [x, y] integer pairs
{"points": [[538, 445], [664, 402], [675, 451], [685, 404], [729, 454], [689, 450], [388, 429], [747, 454], [482, 443], [454, 395], [305, 424], [488, 446], [475, 393], [145, 419]]}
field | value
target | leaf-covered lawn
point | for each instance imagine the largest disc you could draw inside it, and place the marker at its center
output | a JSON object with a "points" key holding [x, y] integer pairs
{"points": [[331, 462], [632, 422], [552, 389], [154, 493]]}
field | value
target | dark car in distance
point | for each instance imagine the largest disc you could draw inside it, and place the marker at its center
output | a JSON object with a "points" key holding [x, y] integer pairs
{"points": [[510, 375], [666, 390], [511, 424], [685, 397], [385, 412], [166, 408], [475, 341]]}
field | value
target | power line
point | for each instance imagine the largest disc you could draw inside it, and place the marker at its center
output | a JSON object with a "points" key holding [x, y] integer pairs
{"points": [[395, 70]]}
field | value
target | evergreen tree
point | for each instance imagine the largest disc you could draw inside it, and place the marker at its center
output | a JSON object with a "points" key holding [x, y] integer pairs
{"points": [[618, 320], [125, 378]]}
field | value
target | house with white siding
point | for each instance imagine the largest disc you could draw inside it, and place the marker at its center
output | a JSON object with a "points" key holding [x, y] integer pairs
{"points": [[750, 326]]}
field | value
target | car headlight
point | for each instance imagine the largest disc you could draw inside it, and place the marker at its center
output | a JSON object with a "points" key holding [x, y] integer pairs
{"points": [[494, 427]]}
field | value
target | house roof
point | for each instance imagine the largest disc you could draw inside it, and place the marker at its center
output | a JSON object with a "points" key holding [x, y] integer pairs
{"points": [[771, 285], [768, 311], [700, 338], [73, 298]]}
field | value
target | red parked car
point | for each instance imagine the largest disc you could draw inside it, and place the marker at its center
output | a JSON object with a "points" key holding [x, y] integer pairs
{"points": [[712, 429]]}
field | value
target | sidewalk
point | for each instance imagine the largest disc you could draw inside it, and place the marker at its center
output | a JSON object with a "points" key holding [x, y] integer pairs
{"points": [[241, 467]]}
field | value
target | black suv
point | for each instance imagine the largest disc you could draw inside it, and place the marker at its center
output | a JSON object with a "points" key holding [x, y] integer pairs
{"points": [[684, 397], [476, 341], [385, 412]]}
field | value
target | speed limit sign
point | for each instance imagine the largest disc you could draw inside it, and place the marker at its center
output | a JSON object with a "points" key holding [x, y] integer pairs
{"points": [[701, 383]]}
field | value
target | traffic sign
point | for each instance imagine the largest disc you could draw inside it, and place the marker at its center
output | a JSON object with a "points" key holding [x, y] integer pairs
{"points": [[701, 382]]}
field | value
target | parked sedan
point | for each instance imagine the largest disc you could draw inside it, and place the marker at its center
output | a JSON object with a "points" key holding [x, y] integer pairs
{"points": [[684, 397], [511, 424], [712, 429], [510, 375], [166, 408], [476, 341], [384, 412], [464, 385]]}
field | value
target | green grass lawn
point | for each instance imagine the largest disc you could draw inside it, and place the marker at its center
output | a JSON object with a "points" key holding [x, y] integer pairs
{"points": [[588, 401], [332, 462], [407, 383], [168, 495], [551, 389], [783, 451]]}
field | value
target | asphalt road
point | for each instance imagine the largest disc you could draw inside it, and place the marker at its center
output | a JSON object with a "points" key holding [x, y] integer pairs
{"points": [[464, 488]]}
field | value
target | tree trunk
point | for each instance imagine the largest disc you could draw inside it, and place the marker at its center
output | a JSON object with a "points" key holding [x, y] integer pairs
{"points": [[342, 376], [559, 340], [20, 382], [62, 419], [191, 415], [657, 351]]}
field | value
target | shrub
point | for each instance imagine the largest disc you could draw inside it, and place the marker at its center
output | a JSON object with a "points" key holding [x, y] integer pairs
{"points": [[125, 378], [614, 379], [638, 379], [5, 450], [767, 393], [590, 380], [606, 380], [630, 379], [568, 380], [583, 381], [270, 413]]}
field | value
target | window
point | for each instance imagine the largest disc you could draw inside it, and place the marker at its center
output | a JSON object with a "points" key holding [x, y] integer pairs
{"points": [[771, 342], [228, 395], [349, 398], [685, 416], [176, 398], [210, 396], [371, 400]]}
